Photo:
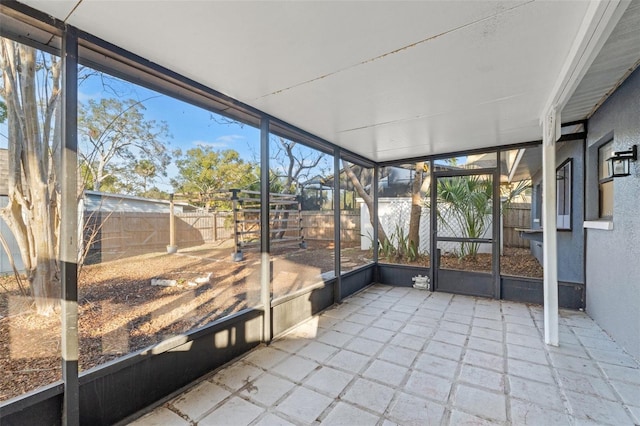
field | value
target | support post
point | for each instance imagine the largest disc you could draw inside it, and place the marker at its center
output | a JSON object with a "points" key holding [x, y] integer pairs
{"points": [[265, 260], [374, 213], [551, 132], [496, 235], [433, 224], [69, 228], [598, 22], [337, 288]]}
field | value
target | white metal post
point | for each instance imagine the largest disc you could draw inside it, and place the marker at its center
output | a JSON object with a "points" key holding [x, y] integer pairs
{"points": [[598, 23], [265, 243], [549, 241]]}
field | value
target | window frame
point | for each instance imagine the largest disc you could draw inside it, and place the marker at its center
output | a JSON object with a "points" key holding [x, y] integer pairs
{"points": [[537, 204], [567, 198], [604, 180]]}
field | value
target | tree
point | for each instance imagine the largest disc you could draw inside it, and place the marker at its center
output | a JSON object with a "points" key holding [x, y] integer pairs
{"points": [[368, 200], [293, 163], [146, 169], [203, 171], [416, 209], [31, 90], [115, 137]]}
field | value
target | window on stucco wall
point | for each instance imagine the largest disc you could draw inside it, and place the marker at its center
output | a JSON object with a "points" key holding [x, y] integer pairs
{"points": [[605, 183], [563, 195]]}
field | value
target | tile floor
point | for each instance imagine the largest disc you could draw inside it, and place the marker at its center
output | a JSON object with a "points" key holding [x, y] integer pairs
{"points": [[392, 355]]}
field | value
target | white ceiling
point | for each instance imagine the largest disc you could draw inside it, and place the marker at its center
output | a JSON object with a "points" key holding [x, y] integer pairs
{"points": [[385, 79]]}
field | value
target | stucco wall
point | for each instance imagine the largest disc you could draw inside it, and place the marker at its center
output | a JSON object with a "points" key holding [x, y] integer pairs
{"points": [[570, 243], [613, 256]]}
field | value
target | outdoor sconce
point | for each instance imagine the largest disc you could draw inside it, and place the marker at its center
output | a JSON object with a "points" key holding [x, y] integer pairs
{"points": [[618, 165]]}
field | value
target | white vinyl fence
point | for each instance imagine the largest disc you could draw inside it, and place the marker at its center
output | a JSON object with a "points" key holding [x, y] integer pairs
{"points": [[394, 215]]}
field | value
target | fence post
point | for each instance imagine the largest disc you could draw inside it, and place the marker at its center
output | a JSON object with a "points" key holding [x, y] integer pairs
{"points": [[215, 226], [172, 248]]}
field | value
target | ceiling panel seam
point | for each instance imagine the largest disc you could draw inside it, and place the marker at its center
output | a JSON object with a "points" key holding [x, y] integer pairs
{"points": [[398, 50], [436, 114], [72, 10]]}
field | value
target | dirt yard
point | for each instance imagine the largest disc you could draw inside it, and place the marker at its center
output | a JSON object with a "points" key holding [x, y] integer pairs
{"points": [[121, 312]]}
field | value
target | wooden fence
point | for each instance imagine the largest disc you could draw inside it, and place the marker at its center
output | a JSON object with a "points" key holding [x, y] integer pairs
{"points": [[113, 235], [518, 215], [319, 225]]}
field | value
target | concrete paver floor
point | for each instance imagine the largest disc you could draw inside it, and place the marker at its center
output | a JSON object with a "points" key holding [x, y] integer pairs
{"points": [[393, 355]]}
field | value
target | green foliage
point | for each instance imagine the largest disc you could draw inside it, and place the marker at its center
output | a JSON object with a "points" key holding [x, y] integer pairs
{"points": [[510, 193], [156, 194], [387, 249], [3, 112], [147, 170], [405, 248], [275, 183], [204, 171], [464, 206], [399, 247]]}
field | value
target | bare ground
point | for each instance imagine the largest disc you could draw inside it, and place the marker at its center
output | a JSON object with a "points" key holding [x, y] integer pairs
{"points": [[120, 312]]}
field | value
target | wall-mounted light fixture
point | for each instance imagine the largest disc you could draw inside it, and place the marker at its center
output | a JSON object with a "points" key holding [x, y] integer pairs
{"points": [[619, 164]]}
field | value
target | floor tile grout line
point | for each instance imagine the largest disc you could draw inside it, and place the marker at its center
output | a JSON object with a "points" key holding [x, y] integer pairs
{"points": [[507, 383], [453, 390], [385, 344], [209, 377], [397, 300], [459, 381], [568, 409], [357, 376], [185, 416], [605, 378], [410, 369]]}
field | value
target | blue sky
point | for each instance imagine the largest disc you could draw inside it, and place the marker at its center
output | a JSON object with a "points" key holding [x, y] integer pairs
{"points": [[189, 126]]}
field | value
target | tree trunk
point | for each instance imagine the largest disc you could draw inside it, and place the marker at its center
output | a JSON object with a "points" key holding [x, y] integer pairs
{"points": [[32, 213], [368, 200], [416, 207]]}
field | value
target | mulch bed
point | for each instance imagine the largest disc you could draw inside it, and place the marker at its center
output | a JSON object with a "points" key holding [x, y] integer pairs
{"points": [[121, 312], [514, 261]]}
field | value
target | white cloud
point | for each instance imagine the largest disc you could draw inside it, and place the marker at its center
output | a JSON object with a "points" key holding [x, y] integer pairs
{"points": [[210, 144], [229, 138], [84, 97], [220, 142]]}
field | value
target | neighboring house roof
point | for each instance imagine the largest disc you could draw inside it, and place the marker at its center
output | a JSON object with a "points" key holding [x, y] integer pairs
{"points": [[95, 200]]}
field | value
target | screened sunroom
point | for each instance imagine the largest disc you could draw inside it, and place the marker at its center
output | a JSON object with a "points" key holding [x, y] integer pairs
{"points": [[319, 212]]}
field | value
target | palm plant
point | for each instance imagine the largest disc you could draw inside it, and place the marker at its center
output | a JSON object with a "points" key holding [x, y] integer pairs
{"points": [[466, 208]]}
